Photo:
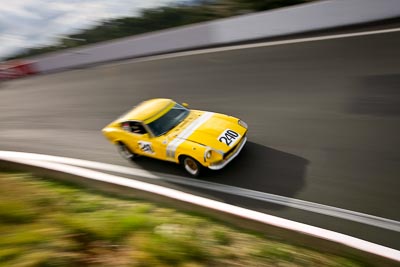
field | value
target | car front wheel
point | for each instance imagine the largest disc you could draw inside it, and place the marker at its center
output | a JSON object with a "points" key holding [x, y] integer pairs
{"points": [[125, 152], [192, 166]]}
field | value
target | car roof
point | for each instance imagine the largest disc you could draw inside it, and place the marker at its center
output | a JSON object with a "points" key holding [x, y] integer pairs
{"points": [[148, 109]]}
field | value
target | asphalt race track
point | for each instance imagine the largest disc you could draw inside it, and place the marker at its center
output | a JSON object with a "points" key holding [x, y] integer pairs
{"points": [[324, 120]]}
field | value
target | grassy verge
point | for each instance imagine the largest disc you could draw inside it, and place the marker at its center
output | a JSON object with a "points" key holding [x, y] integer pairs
{"points": [[45, 223]]}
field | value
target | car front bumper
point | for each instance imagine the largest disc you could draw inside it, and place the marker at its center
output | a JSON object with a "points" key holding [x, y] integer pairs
{"points": [[220, 164]]}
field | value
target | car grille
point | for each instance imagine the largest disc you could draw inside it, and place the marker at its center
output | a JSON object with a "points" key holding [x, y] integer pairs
{"points": [[233, 149]]}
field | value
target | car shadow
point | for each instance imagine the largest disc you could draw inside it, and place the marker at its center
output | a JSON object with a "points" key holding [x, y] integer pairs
{"points": [[264, 169], [257, 167]]}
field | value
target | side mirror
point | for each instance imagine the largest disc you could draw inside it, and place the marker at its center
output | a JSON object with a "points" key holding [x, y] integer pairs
{"points": [[186, 105]]}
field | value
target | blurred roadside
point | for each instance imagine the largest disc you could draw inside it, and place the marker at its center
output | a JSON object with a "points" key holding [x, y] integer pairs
{"points": [[154, 19], [105, 43]]}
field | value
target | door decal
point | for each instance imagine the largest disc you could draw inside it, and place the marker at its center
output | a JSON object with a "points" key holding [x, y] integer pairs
{"points": [[146, 147]]}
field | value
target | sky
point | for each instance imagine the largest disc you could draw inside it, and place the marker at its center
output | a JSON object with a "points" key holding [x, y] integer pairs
{"points": [[29, 23]]}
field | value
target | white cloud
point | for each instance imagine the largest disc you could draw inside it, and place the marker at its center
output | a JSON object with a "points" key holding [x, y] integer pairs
{"points": [[28, 23]]}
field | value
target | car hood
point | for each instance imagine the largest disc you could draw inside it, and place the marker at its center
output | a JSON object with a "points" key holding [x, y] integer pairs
{"points": [[206, 128]]}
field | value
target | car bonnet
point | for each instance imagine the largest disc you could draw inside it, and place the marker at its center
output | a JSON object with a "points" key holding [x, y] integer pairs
{"points": [[208, 129]]}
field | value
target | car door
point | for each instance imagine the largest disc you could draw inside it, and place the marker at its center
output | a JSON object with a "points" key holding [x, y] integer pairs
{"points": [[142, 142]]}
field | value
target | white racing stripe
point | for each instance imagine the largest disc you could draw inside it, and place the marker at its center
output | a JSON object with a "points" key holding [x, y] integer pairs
{"points": [[204, 202], [173, 145]]}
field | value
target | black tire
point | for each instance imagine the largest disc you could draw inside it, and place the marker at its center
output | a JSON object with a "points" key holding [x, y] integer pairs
{"points": [[192, 166], [125, 152]]}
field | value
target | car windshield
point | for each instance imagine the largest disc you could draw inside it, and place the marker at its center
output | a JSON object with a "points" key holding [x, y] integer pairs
{"points": [[169, 120]]}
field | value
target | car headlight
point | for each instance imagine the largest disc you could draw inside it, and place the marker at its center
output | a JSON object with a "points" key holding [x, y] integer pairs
{"points": [[212, 154], [242, 123]]}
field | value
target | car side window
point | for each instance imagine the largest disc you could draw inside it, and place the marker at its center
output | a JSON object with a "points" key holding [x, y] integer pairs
{"points": [[133, 127]]}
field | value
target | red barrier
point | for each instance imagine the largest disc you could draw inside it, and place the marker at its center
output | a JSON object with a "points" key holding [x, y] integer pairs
{"points": [[16, 69]]}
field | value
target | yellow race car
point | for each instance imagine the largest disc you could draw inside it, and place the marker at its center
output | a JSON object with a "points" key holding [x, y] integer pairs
{"points": [[163, 129]]}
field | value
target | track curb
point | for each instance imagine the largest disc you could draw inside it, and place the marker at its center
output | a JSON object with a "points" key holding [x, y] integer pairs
{"points": [[275, 227]]}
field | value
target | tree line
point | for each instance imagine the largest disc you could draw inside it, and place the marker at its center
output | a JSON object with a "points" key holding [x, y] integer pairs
{"points": [[159, 18]]}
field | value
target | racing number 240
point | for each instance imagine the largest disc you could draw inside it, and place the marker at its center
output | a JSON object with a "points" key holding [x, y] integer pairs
{"points": [[228, 137]]}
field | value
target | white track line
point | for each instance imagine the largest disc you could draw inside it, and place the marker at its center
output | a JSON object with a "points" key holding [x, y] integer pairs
{"points": [[78, 162], [248, 46], [291, 202], [262, 196], [219, 206]]}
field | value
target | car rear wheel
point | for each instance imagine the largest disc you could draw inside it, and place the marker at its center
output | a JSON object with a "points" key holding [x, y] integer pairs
{"points": [[125, 152], [192, 166]]}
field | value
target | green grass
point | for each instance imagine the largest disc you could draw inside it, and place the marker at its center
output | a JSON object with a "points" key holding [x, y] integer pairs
{"points": [[46, 223]]}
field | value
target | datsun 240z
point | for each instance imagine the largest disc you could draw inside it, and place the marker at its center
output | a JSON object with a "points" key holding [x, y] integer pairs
{"points": [[163, 129]]}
